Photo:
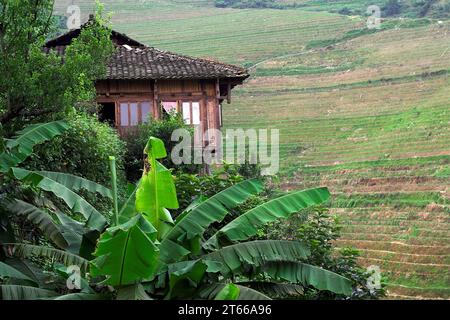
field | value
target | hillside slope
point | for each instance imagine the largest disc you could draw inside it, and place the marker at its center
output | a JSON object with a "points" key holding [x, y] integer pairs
{"points": [[365, 113], [439, 9]]}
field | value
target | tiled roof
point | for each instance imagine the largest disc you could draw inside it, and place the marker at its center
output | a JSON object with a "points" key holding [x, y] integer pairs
{"points": [[133, 60], [151, 63]]}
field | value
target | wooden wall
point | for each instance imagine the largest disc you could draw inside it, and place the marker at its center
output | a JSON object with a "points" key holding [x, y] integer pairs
{"points": [[117, 87], [203, 91], [206, 92]]}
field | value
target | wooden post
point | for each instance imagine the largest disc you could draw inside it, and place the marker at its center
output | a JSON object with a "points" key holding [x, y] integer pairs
{"points": [[156, 110], [229, 93]]}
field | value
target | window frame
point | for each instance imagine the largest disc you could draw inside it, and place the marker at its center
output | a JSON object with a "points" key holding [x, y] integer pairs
{"points": [[129, 102], [179, 107], [191, 111]]}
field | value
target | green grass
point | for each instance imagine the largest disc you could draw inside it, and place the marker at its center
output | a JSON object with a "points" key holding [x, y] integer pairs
{"points": [[395, 200], [352, 34], [409, 8]]}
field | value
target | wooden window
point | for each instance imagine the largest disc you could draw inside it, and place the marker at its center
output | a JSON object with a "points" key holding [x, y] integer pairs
{"points": [[146, 111], [191, 112], [187, 112], [124, 115], [133, 113]]}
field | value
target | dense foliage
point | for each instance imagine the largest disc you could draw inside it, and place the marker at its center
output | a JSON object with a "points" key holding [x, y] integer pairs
{"points": [[39, 86], [318, 230], [87, 144], [145, 253]]}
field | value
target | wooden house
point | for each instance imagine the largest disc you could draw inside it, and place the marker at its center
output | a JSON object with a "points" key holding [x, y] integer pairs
{"points": [[143, 82]]}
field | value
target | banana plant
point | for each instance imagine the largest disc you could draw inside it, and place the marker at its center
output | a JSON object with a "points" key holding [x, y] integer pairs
{"points": [[73, 240], [180, 263], [21, 145], [156, 192], [145, 254]]}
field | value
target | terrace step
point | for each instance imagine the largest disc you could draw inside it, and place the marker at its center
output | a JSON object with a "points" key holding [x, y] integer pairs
{"points": [[403, 229], [406, 257], [388, 216], [394, 296], [395, 246], [406, 292], [431, 241], [401, 223], [407, 267]]}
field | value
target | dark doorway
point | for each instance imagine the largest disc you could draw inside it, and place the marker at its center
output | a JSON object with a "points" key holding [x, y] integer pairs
{"points": [[107, 113]]}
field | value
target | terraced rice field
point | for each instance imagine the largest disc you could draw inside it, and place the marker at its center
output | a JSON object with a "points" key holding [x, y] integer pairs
{"points": [[396, 213], [365, 113]]}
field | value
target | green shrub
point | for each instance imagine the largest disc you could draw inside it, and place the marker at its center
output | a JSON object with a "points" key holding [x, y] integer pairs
{"points": [[82, 150]]}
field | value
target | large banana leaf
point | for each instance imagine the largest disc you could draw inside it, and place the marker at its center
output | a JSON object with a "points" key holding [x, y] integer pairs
{"points": [[81, 240], [83, 296], [128, 208], [246, 225], [194, 204], [278, 290], [184, 278], [9, 160], [211, 292], [127, 253], [16, 292], [39, 218], [305, 274], [76, 203], [35, 134], [228, 292], [29, 269], [171, 252], [7, 271], [28, 250], [132, 292], [195, 222], [75, 183], [236, 258], [21, 146], [156, 192]]}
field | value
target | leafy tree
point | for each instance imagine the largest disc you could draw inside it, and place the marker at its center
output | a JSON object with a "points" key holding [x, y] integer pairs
{"points": [[319, 232], [36, 85]]}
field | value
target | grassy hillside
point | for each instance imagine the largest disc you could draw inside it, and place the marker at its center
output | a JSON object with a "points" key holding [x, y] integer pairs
{"points": [[399, 8], [363, 112]]}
